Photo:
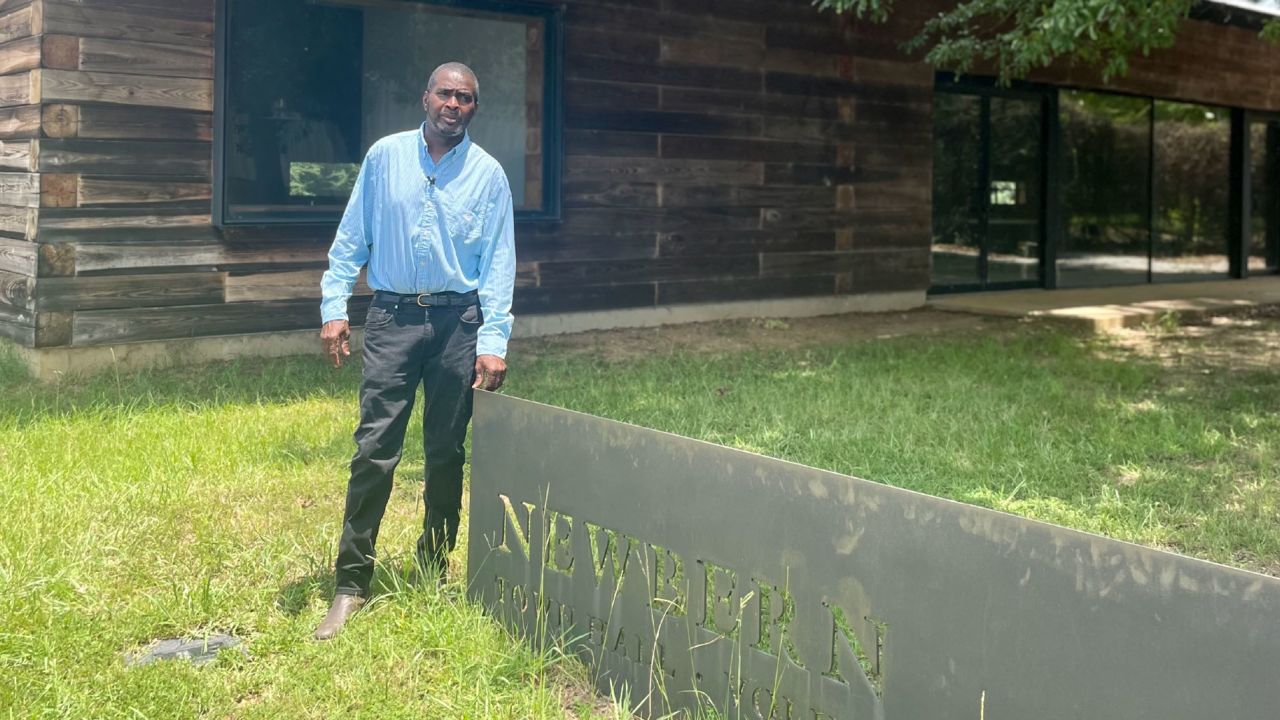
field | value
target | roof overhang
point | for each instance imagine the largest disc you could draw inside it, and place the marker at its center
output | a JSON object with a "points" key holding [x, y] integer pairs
{"points": [[1252, 14]]}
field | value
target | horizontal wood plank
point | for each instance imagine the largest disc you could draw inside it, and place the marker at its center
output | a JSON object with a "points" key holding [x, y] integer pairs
{"points": [[18, 256], [20, 189], [570, 298], [91, 327], [19, 55], [107, 157], [20, 122], [703, 291], [608, 169], [123, 22], [288, 285], [94, 190], [24, 334], [99, 224], [18, 291], [201, 10], [19, 155], [743, 242], [19, 222], [20, 23], [146, 90], [20, 88], [127, 291], [606, 272], [120, 122], [117, 257], [127, 57]]}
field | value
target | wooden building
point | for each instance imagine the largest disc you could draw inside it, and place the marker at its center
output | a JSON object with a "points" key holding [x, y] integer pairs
{"points": [[172, 170]]}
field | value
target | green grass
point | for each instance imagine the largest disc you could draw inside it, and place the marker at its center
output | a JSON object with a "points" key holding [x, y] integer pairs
{"points": [[192, 501], [1036, 422], [208, 500]]}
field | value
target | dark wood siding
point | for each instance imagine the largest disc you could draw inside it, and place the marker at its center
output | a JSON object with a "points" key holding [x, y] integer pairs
{"points": [[714, 150]]}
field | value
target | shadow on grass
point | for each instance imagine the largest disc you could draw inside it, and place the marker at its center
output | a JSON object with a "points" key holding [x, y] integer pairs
{"points": [[298, 595], [393, 575]]}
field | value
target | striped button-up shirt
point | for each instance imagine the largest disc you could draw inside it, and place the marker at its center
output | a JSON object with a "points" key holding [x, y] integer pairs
{"points": [[427, 227]]}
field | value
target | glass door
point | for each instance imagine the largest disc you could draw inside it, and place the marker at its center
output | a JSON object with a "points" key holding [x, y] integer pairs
{"points": [[1264, 221], [988, 189]]}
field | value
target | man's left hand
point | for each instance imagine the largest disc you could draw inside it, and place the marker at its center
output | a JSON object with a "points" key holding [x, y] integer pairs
{"points": [[491, 370]]}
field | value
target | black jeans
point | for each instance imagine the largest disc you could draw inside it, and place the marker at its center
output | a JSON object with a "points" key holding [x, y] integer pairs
{"points": [[405, 345]]}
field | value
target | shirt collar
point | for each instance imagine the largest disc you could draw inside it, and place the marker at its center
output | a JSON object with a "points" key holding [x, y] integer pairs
{"points": [[457, 149]]}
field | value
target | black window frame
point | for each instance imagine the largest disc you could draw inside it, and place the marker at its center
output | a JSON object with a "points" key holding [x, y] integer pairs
{"points": [[552, 111]]}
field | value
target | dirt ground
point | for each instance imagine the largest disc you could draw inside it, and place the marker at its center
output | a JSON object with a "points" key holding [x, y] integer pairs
{"points": [[1238, 341], [763, 334]]}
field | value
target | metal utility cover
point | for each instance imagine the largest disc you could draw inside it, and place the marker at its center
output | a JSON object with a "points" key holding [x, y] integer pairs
{"points": [[694, 573]]}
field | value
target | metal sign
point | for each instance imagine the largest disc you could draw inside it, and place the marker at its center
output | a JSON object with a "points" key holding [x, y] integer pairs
{"points": [[692, 574]]}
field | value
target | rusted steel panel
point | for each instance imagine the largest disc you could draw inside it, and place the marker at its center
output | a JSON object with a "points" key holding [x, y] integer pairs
{"points": [[695, 572]]}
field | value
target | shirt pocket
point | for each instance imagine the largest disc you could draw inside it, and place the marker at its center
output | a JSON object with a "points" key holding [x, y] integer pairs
{"points": [[466, 223]]}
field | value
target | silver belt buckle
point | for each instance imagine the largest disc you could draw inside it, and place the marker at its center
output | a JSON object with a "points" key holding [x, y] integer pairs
{"points": [[420, 303]]}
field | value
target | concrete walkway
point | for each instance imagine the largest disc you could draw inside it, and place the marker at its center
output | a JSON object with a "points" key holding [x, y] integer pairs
{"points": [[1108, 308]]}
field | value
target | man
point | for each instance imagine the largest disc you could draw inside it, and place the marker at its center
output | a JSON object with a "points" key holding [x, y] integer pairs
{"points": [[431, 215]]}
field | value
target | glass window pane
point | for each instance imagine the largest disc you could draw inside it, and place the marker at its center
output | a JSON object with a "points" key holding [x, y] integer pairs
{"points": [[957, 140], [310, 86], [1106, 144], [1192, 183], [1013, 224], [1264, 245]]}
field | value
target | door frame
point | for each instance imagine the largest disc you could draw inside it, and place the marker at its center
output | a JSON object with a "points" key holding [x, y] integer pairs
{"points": [[1050, 208], [1244, 205]]}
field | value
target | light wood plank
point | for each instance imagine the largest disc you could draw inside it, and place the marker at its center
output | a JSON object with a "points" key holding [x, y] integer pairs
{"points": [[136, 58], [20, 23], [18, 291], [71, 18], [19, 222], [20, 122], [20, 89], [18, 256], [149, 91], [101, 257], [290, 285], [19, 155], [20, 189], [115, 191], [20, 55]]}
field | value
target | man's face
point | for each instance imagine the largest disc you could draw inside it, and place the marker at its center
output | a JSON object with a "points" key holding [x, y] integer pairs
{"points": [[450, 104]]}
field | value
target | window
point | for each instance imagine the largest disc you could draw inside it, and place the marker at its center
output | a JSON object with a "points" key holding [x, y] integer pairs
{"points": [[307, 86]]}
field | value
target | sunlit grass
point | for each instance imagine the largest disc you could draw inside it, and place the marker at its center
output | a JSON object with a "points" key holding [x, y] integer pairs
{"points": [[202, 500]]}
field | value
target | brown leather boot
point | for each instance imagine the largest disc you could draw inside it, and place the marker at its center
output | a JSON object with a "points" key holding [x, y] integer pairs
{"points": [[343, 607]]}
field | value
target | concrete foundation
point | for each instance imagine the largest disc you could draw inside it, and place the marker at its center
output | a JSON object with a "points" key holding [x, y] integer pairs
{"points": [[51, 364]]}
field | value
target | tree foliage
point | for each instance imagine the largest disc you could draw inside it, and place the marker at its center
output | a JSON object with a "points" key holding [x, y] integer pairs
{"points": [[1018, 36]]}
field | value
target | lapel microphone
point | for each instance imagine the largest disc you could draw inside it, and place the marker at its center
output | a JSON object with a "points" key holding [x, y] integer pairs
{"points": [[431, 179]]}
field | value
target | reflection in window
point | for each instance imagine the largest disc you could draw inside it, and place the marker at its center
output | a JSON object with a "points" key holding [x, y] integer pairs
{"points": [[1192, 185], [957, 189], [1107, 144], [310, 86], [1264, 242]]}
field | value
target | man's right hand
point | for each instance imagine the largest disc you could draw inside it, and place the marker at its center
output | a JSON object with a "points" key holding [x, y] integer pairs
{"points": [[335, 338]]}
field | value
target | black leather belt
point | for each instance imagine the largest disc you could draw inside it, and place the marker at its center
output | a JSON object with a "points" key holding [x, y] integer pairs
{"points": [[427, 299]]}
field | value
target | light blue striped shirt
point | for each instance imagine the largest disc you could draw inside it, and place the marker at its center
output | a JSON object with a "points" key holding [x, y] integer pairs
{"points": [[423, 226]]}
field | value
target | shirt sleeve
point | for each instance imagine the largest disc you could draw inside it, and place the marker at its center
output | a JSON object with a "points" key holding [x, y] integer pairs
{"points": [[350, 249], [497, 270]]}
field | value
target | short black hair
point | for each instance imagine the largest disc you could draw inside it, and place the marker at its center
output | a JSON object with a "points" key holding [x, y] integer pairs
{"points": [[458, 68]]}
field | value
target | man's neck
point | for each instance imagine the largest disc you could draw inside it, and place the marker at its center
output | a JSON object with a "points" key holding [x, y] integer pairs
{"points": [[439, 146]]}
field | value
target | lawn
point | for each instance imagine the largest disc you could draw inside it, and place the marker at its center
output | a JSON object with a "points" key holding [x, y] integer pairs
{"points": [[200, 500]]}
